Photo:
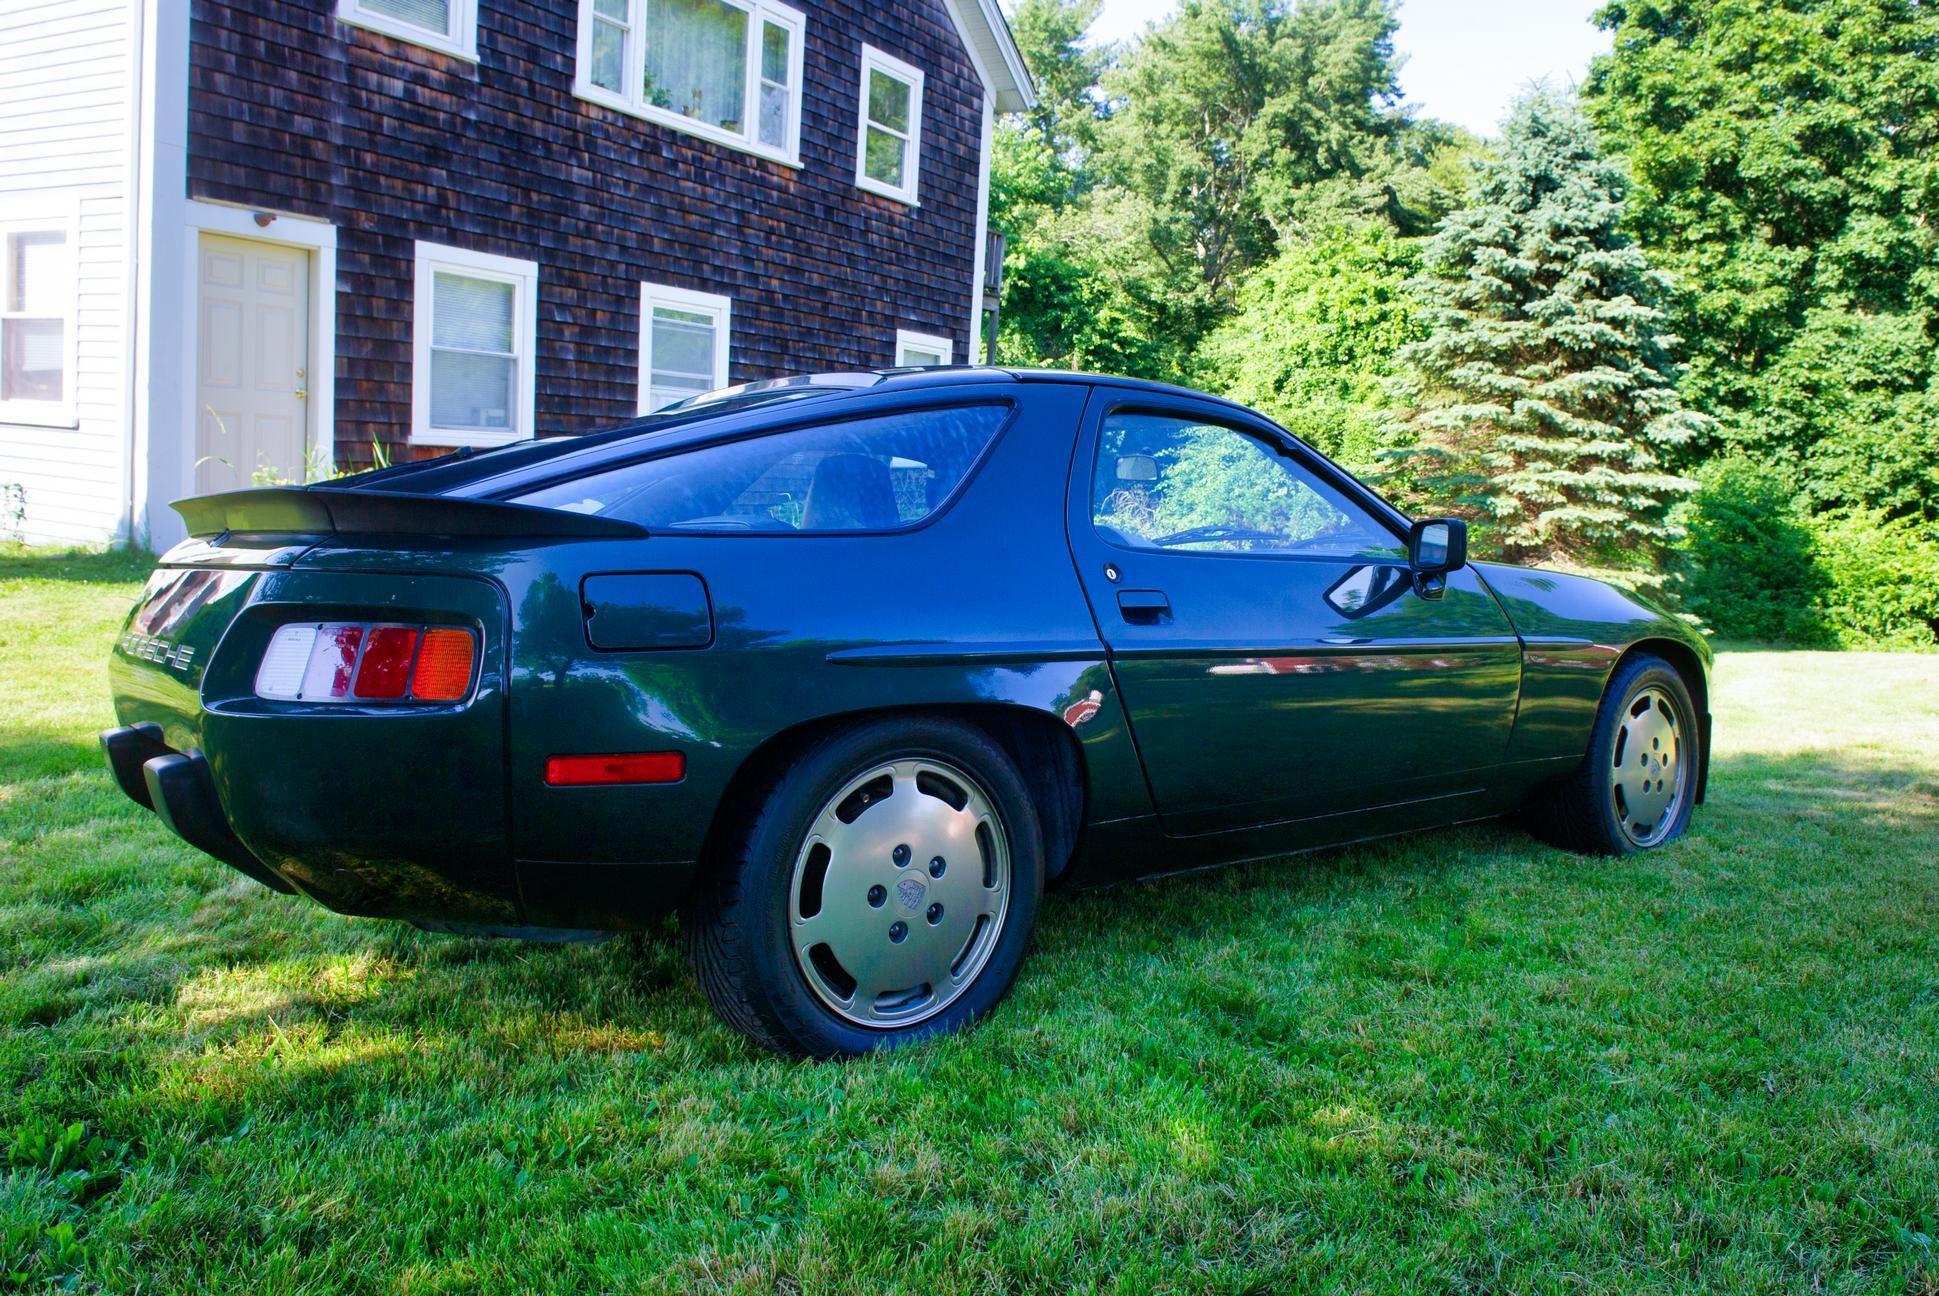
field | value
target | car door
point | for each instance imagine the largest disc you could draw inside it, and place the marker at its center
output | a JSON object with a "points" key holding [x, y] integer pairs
{"points": [[1277, 658]]}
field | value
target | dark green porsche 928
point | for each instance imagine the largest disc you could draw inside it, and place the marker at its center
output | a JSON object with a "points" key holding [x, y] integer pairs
{"points": [[847, 669]]}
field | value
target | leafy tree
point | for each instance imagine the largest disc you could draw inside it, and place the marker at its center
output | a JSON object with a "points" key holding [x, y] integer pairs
{"points": [[1315, 337], [1229, 109], [1544, 395], [1785, 170]]}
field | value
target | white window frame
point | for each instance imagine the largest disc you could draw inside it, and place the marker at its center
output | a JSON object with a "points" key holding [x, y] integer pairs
{"points": [[58, 218], [524, 275], [714, 304], [907, 340], [879, 62], [459, 42], [633, 101]]}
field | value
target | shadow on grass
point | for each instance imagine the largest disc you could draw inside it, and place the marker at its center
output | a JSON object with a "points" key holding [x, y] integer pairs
{"points": [[265, 999], [29, 754], [83, 566]]}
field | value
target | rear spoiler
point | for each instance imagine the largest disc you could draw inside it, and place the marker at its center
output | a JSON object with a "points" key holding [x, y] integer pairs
{"points": [[305, 510]]}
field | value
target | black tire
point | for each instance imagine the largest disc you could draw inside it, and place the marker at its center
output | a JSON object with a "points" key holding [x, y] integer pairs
{"points": [[736, 924], [1579, 812]]}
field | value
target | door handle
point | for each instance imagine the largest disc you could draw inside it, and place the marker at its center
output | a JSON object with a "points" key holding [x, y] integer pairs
{"points": [[1144, 607]]}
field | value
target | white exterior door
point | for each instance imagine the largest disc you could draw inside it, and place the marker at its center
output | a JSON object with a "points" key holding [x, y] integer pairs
{"points": [[252, 351]]}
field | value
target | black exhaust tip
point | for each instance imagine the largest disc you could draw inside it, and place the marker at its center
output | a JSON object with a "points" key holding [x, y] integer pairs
{"points": [[128, 749]]}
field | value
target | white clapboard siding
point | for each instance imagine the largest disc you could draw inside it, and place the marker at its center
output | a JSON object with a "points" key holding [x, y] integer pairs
{"points": [[67, 71]]}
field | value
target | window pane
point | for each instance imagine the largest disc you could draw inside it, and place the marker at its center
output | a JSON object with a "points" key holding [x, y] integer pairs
{"points": [[614, 9], [883, 160], [918, 356], [664, 391], [30, 359], [1171, 483], [888, 101], [473, 314], [608, 55], [774, 116], [473, 391], [432, 15], [774, 54], [773, 125], [865, 475], [35, 272], [696, 60], [683, 344]]}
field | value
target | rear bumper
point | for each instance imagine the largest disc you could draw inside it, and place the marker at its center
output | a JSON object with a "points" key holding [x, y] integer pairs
{"points": [[178, 788]]}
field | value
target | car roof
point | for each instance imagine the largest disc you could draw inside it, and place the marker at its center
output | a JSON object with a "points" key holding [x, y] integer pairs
{"points": [[723, 412]]}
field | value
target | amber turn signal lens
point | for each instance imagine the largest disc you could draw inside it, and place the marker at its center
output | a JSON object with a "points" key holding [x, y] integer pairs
{"points": [[443, 670]]}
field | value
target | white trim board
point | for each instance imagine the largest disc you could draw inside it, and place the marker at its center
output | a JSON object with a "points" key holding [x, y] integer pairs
{"points": [[524, 275], [929, 343]]}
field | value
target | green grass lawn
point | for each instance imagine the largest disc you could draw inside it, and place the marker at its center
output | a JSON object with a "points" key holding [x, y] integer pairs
{"points": [[1460, 1061]]}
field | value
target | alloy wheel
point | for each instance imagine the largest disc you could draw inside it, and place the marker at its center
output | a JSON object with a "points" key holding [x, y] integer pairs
{"points": [[1651, 773], [899, 892]]}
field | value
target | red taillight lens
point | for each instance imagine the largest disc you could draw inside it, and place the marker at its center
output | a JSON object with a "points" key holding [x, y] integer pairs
{"points": [[626, 767], [386, 664], [352, 662], [443, 672]]}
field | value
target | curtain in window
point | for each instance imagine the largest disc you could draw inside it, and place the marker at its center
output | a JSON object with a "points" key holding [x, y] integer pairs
{"points": [[696, 60]]}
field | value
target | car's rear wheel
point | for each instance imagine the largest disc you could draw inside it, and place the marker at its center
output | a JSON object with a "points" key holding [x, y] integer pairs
{"points": [[1636, 786], [883, 890]]}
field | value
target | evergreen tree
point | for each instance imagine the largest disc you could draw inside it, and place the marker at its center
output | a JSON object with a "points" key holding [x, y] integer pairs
{"points": [[1544, 396]]}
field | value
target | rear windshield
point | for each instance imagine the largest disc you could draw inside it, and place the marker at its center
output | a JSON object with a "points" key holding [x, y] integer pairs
{"points": [[868, 474]]}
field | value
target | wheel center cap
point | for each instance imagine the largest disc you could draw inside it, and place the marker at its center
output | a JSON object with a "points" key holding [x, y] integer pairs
{"points": [[909, 893]]}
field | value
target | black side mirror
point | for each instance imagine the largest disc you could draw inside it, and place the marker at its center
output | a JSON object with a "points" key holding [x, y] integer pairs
{"points": [[1437, 545]]}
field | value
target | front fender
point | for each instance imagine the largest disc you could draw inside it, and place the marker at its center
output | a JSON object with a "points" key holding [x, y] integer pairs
{"points": [[1574, 629]]}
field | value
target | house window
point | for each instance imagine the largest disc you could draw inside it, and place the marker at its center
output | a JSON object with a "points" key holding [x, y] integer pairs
{"points": [[917, 349], [728, 70], [473, 334], [683, 344], [447, 25], [890, 137], [37, 298]]}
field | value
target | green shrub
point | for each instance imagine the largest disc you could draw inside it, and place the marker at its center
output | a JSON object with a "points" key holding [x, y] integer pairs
{"points": [[1750, 564], [1881, 580], [1758, 565]]}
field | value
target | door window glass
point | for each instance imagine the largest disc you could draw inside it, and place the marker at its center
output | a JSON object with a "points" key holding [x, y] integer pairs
{"points": [[1164, 482]]}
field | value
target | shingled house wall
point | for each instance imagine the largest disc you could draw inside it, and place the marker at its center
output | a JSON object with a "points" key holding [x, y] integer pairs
{"points": [[293, 110]]}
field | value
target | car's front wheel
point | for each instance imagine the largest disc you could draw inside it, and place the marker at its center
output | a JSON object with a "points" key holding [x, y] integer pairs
{"points": [[1637, 785], [883, 890]]}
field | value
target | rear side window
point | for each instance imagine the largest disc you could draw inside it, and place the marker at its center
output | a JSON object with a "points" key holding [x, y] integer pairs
{"points": [[870, 474]]}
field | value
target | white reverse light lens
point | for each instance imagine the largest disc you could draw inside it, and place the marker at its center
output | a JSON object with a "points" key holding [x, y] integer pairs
{"points": [[281, 674]]}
